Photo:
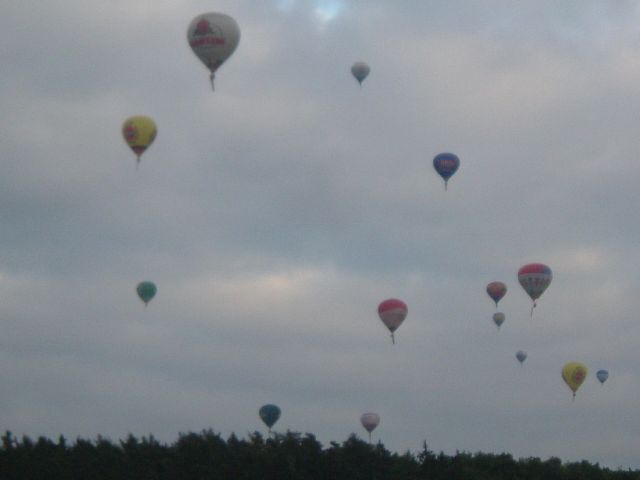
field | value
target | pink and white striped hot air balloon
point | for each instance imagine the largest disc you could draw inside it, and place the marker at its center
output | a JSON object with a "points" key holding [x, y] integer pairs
{"points": [[392, 312], [534, 278]]}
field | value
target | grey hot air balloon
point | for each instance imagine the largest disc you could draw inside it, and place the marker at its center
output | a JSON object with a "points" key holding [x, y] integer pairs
{"points": [[360, 70], [370, 421]]}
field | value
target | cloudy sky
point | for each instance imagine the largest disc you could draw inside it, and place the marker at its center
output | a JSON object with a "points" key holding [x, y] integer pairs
{"points": [[276, 213]]}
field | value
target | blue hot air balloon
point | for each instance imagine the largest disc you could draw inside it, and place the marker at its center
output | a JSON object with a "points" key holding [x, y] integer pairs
{"points": [[446, 165], [602, 375], [521, 356], [269, 414]]}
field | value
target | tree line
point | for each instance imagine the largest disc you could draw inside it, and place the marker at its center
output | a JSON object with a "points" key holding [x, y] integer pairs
{"points": [[288, 456]]}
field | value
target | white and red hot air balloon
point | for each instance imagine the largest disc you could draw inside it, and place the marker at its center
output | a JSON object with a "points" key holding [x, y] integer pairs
{"points": [[213, 37], [392, 312]]}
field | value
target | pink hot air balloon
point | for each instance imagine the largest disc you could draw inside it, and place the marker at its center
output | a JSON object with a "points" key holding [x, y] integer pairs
{"points": [[534, 278], [392, 312], [370, 421], [496, 291]]}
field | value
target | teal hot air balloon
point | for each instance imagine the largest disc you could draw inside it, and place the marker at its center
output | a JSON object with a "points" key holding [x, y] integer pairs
{"points": [[146, 291], [269, 414]]}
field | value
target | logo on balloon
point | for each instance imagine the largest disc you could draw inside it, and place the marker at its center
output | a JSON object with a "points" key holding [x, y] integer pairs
{"points": [[202, 28], [578, 375], [209, 34], [130, 133], [448, 164]]}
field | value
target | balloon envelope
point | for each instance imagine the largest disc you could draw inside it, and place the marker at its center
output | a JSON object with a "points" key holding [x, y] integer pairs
{"points": [[521, 356], [602, 375], [139, 132], [498, 318], [370, 421], [446, 164], [213, 37], [573, 374], [496, 290], [146, 291], [360, 70], [269, 414], [534, 278], [392, 312]]}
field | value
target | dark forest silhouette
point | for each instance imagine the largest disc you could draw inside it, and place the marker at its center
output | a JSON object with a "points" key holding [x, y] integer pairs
{"points": [[289, 456]]}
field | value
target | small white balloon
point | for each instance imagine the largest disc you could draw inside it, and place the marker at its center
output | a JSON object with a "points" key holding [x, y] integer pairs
{"points": [[370, 421]]}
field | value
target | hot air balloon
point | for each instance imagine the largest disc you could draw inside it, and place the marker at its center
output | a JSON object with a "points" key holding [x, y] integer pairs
{"points": [[496, 290], [573, 374], [521, 356], [146, 291], [139, 132], [602, 375], [498, 319], [213, 37], [446, 165], [392, 312], [269, 414], [360, 70], [534, 278], [370, 421]]}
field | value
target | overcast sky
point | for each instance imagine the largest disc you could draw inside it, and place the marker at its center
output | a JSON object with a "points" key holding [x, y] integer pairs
{"points": [[276, 213]]}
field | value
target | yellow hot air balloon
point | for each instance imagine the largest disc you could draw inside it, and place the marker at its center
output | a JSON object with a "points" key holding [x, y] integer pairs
{"points": [[139, 132], [573, 374]]}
